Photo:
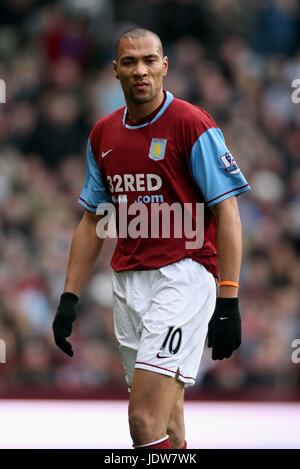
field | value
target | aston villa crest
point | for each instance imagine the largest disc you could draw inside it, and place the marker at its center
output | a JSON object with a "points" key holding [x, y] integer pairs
{"points": [[158, 148]]}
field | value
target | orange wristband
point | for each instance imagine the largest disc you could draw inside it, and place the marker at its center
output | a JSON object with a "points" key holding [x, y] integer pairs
{"points": [[228, 283]]}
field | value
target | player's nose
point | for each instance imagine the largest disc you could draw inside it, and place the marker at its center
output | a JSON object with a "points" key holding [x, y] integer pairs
{"points": [[140, 70]]}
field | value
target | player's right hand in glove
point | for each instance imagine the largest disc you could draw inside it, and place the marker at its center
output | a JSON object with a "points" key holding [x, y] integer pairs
{"points": [[224, 328], [64, 318]]}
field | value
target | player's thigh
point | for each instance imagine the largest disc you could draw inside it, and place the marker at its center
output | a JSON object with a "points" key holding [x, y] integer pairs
{"points": [[176, 419], [154, 394], [176, 427]]}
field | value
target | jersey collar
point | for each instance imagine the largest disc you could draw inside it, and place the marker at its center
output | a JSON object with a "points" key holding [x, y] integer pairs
{"points": [[169, 99]]}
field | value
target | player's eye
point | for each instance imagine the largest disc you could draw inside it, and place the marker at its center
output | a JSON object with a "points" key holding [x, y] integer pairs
{"points": [[126, 62]]}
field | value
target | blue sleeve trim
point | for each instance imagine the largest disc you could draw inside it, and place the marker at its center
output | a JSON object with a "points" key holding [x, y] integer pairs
{"points": [[94, 191], [228, 194], [87, 205]]}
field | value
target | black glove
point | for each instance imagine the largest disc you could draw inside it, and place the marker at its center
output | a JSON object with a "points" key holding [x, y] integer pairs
{"points": [[64, 318], [224, 328]]}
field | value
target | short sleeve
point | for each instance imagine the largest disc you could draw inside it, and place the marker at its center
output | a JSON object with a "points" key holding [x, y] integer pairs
{"points": [[94, 191], [214, 168]]}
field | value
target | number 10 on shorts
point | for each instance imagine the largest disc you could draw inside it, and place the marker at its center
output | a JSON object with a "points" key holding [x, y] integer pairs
{"points": [[172, 340]]}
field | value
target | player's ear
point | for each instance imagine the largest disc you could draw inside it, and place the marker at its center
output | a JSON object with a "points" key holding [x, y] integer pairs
{"points": [[166, 64], [115, 65]]}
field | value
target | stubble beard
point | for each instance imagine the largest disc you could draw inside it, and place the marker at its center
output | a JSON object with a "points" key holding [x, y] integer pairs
{"points": [[142, 99]]}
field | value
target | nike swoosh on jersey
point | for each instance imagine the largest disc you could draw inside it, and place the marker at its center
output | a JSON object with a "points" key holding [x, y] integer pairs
{"points": [[223, 318], [104, 153], [160, 356]]}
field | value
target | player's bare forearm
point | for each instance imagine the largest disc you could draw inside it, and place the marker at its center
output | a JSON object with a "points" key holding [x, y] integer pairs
{"points": [[229, 243], [85, 248]]}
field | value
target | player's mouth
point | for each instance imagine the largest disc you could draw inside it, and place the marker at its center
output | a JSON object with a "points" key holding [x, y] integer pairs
{"points": [[141, 85]]}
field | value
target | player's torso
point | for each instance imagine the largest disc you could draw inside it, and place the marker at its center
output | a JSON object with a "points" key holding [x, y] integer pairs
{"points": [[148, 164]]}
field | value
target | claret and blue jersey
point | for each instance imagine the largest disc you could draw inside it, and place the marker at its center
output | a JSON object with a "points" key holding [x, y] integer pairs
{"points": [[177, 154]]}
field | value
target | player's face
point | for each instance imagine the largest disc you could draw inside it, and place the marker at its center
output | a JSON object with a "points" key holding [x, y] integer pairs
{"points": [[140, 68]]}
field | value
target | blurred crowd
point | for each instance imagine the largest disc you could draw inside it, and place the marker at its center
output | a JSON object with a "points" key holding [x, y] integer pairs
{"points": [[235, 59]]}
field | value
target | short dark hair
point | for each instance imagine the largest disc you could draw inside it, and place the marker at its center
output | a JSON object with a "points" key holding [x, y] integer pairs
{"points": [[138, 32]]}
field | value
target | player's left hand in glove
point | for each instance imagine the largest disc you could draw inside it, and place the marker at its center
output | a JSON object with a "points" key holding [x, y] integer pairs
{"points": [[64, 318], [224, 328]]}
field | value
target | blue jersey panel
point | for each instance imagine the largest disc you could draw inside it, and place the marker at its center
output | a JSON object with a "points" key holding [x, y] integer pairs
{"points": [[94, 191], [215, 169]]}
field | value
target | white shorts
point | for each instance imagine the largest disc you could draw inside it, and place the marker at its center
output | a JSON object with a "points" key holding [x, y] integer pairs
{"points": [[161, 318]]}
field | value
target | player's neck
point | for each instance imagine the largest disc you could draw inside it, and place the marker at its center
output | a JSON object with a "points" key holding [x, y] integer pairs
{"points": [[137, 112]]}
